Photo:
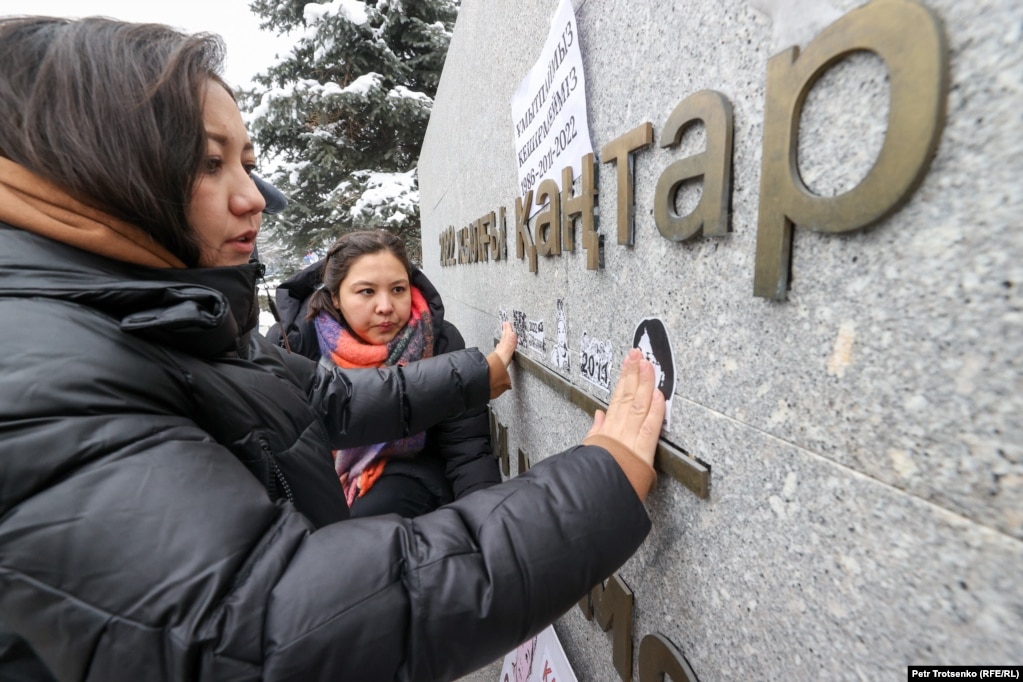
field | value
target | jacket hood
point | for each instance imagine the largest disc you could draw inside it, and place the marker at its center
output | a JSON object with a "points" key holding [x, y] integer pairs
{"points": [[292, 293], [430, 293], [203, 311]]}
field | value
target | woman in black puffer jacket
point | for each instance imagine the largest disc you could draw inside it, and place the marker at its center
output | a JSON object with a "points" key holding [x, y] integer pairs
{"points": [[390, 300], [168, 509]]}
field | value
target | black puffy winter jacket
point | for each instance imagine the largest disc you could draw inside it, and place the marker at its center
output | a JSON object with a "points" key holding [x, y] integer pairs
{"points": [[163, 515], [457, 454]]}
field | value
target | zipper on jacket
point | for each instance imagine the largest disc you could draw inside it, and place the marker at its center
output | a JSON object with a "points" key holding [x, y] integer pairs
{"points": [[276, 474], [406, 411]]}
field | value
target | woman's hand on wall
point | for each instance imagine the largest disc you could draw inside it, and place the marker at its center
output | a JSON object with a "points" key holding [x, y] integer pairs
{"points": [[636, 410], [499, 360], [632, 424], [506, 346]]}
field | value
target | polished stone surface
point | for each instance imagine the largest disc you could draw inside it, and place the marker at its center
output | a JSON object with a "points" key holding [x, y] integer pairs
{"points": [[865, 437]]}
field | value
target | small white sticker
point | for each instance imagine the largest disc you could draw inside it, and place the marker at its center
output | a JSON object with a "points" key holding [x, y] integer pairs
{"points": [[595, 357], [560, 357]]}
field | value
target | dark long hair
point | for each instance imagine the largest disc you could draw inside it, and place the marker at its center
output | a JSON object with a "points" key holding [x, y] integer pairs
{"points": [[344, 252], [112, 113]]}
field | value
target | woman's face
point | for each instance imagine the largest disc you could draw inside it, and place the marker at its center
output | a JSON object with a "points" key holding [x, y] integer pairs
{"points": [[375, 297], [226, 207]]}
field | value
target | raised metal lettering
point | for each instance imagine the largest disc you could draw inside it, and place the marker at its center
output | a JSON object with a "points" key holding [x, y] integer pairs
{"points": [[548, 221], [659, 658], [908, 37], [524, 247], [612, 608], [714, 164], [621, 151], [499, 443], [581, 206]]}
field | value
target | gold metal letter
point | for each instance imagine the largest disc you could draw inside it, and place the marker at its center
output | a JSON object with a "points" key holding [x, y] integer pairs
{"points": [[612, 608], [523, 462], [499, 237], [473, 240], [548, 222], [499, 442], [621, 150], [714, 164], [494, 233], [463, 245], [659, 657], [908, 37], [523, 239], [442, 238], [580, 206], [483, 236]]}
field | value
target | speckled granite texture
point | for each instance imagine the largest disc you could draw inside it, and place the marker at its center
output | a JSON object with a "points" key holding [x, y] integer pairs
{"points": [[865, 435]]}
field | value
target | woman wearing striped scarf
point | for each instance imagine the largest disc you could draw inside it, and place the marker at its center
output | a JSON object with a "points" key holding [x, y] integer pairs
{"points": [[375, 309]]}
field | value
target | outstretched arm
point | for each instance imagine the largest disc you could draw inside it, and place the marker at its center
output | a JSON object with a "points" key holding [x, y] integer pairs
{"points": [[184, 568], [632, 424], [497, 566], [365, 406]]}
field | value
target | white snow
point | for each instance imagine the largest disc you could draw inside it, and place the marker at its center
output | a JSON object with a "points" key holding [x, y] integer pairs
{"points": [[353, 10], [364, 83], [395, 191], [401, 92]]}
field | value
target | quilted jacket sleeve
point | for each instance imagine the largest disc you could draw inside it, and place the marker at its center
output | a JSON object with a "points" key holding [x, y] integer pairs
{"points": [[463, 441], [166, 561], [361, 406], [371, 405], [495, 567]]}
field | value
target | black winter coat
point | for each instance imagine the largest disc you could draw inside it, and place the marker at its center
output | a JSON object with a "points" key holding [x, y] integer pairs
{"points": [[457, 454], [136, 543]]}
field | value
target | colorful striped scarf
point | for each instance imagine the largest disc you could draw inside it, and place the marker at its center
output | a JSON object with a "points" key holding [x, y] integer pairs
{"points": [[359, 468]]}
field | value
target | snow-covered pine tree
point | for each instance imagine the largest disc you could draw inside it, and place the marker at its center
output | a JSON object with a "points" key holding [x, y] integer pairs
{"points": [[341, 118]]}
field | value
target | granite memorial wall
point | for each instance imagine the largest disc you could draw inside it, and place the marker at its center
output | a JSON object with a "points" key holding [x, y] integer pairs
{"points": [[809, 213]]}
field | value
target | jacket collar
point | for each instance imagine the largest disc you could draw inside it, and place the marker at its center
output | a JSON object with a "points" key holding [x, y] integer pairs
{"points": [[37, 205], [206, 312]]}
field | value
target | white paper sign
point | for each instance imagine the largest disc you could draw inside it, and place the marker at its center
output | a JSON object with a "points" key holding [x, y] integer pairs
{"points": [[549, 108]]}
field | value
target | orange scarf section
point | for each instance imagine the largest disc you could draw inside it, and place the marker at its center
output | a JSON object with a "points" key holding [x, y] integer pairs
{"points": [[36, 205], [370, 475]]}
